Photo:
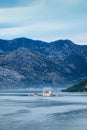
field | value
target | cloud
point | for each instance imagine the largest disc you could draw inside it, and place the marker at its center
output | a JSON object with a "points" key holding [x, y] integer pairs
{"points": [[80, 38], [7, 25], [15, 3], [44, 19]]}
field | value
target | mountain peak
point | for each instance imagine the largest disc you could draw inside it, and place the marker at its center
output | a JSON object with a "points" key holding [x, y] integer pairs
{"points": [[56, 63], [66, 41]]}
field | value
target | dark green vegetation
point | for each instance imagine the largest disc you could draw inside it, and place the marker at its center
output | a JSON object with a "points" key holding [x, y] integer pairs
{"points": [[26, 63], [81, 87]]}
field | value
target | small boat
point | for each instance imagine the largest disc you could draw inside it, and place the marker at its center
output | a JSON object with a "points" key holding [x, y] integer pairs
{"points": [[36, 94]]}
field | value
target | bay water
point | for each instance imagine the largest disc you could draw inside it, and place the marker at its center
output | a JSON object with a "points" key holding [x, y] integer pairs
{"points": [[66, 111]]}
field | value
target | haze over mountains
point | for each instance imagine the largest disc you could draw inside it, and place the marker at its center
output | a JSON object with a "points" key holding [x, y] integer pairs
{"points": [[26, 62]]}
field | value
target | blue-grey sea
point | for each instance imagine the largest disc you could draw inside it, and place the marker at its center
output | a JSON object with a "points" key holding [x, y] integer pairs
{"points": [[20, 111]]}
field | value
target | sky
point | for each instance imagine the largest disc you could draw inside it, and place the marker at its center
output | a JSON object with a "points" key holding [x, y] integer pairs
{"points": [[46, 20]]}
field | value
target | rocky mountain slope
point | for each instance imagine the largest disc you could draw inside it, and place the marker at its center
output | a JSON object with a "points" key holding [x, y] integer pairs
{"points": [[25, 62]]}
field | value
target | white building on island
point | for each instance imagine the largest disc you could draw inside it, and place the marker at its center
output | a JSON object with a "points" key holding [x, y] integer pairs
{"points": [[47, 93]]}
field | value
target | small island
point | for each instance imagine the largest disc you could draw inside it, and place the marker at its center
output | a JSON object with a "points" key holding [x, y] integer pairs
{"points": [[81, 87]]}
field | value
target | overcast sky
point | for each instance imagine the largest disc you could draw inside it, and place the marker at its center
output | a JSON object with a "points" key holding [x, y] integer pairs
{"points": [[46, 20]]}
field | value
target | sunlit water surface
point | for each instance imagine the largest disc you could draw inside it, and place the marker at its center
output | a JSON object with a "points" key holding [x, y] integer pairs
{"points": [[23, 112]]}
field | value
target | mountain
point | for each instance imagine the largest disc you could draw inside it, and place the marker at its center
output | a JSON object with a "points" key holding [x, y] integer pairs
{"points": [[26, 62], [33, 68], [81, 87]]}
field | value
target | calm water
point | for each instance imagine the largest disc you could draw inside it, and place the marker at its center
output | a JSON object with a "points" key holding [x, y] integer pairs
{"points": [[22, 112]]}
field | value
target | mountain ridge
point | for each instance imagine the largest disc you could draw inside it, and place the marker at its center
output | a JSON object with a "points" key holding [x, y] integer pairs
{"points": [[58, 63]]}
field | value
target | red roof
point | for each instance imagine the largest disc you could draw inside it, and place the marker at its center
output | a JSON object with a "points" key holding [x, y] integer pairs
{"points": [[46, 92]]}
